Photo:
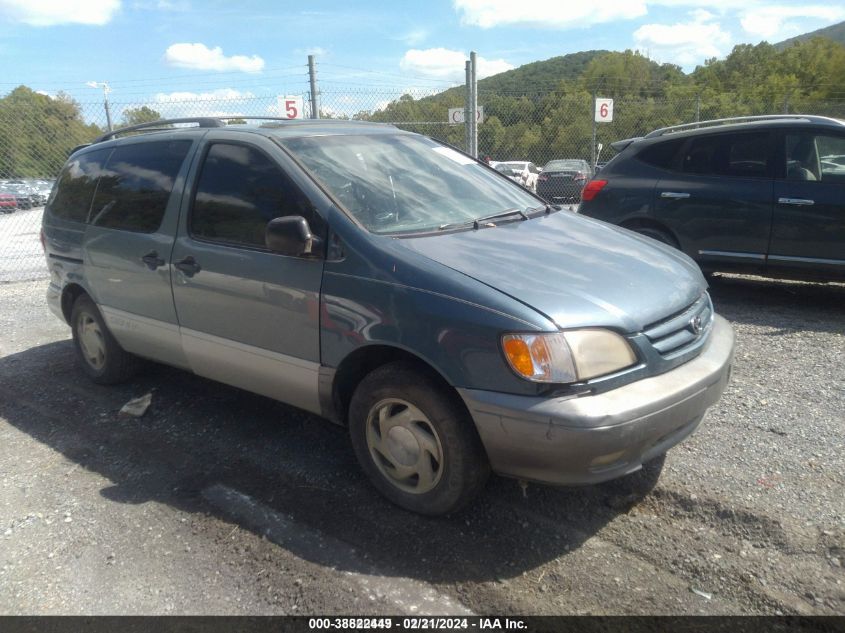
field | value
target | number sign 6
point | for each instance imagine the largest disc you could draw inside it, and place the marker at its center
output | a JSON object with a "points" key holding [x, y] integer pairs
{"points": [[604, 110]]}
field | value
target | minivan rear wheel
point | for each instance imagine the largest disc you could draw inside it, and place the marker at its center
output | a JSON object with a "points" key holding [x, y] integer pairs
{"points": [[415, 441], [99, 354]]}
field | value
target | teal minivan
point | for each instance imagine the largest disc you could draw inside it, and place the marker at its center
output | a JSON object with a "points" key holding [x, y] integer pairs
{"points": [[454, 321]]}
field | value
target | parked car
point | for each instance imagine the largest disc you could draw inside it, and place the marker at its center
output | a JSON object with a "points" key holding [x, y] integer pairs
{"points": [[451, 319], [562, 180], [523, 172], [747, 195], [23, 197], [8, 203]]}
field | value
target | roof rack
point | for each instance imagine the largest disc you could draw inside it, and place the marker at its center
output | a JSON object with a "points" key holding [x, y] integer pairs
{"points": [[157, 126], [741, 119]]}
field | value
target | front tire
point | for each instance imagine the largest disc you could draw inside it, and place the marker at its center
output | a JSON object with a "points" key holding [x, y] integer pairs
{"points": [[100, 355], [415, 441]]}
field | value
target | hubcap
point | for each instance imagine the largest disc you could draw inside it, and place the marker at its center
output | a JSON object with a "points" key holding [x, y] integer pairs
{"points": [[404, 446], [91, 341]]}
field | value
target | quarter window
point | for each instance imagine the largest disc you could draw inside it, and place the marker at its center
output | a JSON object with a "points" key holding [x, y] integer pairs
{"points": [[136, 184], [239, 191], [75, 188], [661, 154]]}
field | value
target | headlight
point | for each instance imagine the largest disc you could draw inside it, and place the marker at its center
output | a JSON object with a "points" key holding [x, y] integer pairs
{"points": [[570, 356]]}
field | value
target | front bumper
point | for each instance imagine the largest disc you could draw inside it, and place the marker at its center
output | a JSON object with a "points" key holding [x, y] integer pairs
{"points": [[589, 439]]}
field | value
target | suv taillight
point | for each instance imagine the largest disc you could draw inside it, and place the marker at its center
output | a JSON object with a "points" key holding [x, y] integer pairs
{"points": [[592, 188]]}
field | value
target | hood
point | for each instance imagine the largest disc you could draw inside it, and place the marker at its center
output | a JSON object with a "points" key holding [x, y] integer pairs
{"points": [[575, 270]]}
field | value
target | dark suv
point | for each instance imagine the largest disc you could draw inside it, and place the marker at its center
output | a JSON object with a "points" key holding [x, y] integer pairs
{"points": [[763, 195]]}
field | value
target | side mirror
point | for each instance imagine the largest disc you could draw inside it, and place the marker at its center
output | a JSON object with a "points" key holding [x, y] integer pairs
{"points": [[291, 235]]}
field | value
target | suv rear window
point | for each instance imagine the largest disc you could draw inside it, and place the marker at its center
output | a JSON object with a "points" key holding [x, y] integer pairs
{"points": [[661, 154], [76, 184], [136, 185], [743, 155]]}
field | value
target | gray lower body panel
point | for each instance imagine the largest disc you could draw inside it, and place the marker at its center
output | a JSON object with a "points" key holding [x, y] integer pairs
{"points": [[589, 439]]}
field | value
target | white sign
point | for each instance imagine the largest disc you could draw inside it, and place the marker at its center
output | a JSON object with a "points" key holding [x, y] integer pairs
{"points": [[456, 115], [291, 107], [604, 110]]}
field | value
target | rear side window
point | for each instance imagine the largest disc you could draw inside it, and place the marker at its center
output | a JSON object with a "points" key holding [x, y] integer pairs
{"points": [[75, 187], [136, 185], [239, 191], [661, 154], [739, 155]]}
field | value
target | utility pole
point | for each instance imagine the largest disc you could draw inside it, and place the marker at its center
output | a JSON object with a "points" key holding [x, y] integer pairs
{"points": [[312, 76], [593, 116], [473, 106], [467, 100], [106, 90]]}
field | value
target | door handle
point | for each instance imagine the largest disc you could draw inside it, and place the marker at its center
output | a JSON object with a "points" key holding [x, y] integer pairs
{"points": [[674, 195], [188, 266], [152, 260], [801, 202]]}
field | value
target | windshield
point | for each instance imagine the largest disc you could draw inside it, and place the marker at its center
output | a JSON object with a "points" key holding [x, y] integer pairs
{"points": [[402, 183]]}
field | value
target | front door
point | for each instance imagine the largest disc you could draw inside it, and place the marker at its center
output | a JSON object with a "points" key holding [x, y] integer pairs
{"points": [[248, 317], [808, 234]]}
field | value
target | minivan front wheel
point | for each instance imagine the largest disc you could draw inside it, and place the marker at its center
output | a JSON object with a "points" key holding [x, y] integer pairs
{"points": [[99, 354], [415, 441]]}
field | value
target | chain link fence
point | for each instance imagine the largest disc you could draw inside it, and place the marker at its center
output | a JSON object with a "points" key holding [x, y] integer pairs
{"points": [[38, 132]]}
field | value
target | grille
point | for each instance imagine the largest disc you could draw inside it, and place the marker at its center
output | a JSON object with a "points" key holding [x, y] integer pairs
{"points": [[682, 330]]}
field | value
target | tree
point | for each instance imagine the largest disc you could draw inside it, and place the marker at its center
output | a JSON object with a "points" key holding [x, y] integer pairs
{"points": [[136, 116], [38, 132]]}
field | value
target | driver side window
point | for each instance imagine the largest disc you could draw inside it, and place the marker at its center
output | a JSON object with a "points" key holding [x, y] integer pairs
{"points": [[240, 189], [815, 157]]}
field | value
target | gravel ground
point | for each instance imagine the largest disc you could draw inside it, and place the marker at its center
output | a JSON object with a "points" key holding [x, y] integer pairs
{"points": [[221, 502]]}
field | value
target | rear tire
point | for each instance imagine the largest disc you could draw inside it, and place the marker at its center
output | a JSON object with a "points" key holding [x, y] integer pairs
{"points": [[415, 441], [100, 355]]}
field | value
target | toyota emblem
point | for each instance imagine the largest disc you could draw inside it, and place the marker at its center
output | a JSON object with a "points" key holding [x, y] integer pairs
{"points": [[695, 324]]}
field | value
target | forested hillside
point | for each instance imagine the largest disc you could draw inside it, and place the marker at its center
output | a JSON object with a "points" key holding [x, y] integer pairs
{"points": [[550, 115], [835, 32]]}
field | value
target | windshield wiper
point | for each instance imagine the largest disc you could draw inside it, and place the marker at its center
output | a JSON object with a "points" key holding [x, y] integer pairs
{"points": [[477, 222]]}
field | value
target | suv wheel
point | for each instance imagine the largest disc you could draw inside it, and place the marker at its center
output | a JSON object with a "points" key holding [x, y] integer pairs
{"points": [[415, 441], [100, 355]]}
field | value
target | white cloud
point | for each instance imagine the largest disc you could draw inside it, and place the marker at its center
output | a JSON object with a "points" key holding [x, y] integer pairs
{"points": [[200, 57], [222, 103], [684, 43], [546, 13], [220, 94], [413, 38], [443, 63], [777, 22], [52, 12]]}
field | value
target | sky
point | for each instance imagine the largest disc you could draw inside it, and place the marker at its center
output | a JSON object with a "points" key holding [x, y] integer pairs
{"points": [[169, 51]]}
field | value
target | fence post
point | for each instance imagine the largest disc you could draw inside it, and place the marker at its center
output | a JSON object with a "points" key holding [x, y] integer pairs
{"points": [[467, 99], [786, 104], [312, 76], [473, 108], [697, 108]]}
